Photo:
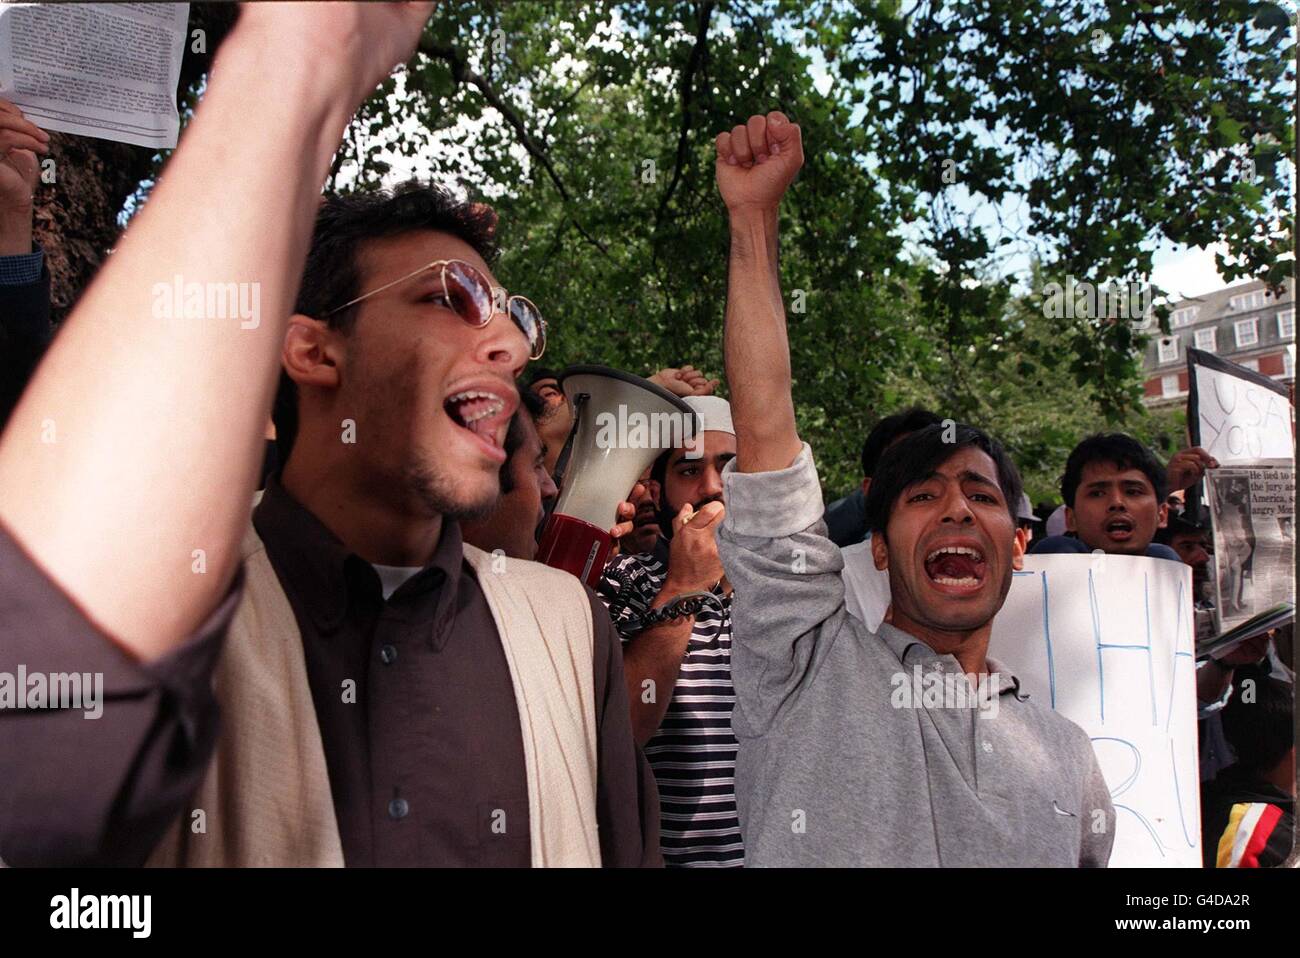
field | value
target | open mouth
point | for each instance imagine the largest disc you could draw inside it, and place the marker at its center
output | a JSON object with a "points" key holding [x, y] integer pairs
{"points": [[960, 567], [1120, 528], [484, 413]]}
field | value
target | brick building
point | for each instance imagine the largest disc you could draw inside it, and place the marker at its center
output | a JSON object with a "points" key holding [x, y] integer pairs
{"points": [[1243, 324]]}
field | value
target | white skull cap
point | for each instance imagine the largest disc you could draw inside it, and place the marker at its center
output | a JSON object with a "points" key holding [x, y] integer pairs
{"points": [[714, 413]]}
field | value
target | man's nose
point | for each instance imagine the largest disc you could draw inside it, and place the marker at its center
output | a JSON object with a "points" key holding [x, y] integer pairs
{"points": [[503, 344], [1116, 502], [712, 483], [549, 489], [956, 508]]}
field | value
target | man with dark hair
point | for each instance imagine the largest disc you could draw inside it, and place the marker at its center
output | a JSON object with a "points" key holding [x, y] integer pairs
{"points": [[678, 666], [1114, 490], [526, 487], [866, 588], [556, 420], [545, 384], [1191, 541], [1248, 810], [839, 762], [487, 719]]}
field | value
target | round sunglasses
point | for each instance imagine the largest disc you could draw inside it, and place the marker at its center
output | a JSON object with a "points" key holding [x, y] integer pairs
{"points": [[475, 300]]}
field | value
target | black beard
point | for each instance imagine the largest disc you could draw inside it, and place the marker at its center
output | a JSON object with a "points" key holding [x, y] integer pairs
{"points": [[436, 497]]}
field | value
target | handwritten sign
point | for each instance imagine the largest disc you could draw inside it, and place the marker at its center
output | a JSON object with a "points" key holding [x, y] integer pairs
{"points": [[1239, 418], [1108, 641]]}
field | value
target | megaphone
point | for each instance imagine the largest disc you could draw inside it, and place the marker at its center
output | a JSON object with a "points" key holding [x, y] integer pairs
{"points": [[621, 425]]}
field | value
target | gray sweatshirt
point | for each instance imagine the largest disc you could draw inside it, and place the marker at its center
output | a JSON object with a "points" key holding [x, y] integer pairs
{"points": [[841, 760]]}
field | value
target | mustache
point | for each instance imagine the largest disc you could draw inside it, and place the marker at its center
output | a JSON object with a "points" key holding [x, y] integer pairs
{"points": [[697, 506]]}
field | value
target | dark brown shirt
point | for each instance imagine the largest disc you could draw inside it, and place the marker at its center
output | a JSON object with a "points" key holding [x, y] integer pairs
{"points": [[413, 697], [417, 709], [76, 790]]}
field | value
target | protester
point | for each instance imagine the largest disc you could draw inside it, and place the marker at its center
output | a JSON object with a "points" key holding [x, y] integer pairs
{"points": [[1191, 540], [526, 487], [458, 651], [866, 588], [679, 670], [1026, 521], [646, 537], [833, 768], [1114, 490], [555, 422], [1249, 809], [25, 329]]}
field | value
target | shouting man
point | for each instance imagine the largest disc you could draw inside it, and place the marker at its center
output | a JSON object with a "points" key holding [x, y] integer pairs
{"points": [[834, 767]]}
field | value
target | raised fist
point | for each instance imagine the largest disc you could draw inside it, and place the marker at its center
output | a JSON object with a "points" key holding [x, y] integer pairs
{"points": [[758, 161]]}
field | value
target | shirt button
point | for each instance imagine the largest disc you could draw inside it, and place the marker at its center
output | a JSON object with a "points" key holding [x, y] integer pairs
{"points": [[988, 746], [388, 654], [398, 808]]}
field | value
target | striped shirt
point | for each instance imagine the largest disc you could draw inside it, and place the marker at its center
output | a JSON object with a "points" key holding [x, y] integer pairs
{"points": [[693, 753]]}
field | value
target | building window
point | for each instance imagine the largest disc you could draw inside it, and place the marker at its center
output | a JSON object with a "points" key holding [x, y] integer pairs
{"points": [[1251, 364], [1246, 301], [1182, 317], [1205, 339], [1247, 332], [1169, 385], [1168, 349], [1288, 365], [1286, 325]]}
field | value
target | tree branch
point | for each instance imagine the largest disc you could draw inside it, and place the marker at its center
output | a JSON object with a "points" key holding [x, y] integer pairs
{"points": [[705, 13], [461, 73]]}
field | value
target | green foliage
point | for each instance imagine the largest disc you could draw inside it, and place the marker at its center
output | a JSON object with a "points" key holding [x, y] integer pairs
{"points": [[590, 127]]}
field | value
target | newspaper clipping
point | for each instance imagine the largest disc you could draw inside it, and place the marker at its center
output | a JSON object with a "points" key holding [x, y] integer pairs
{"points": [[96, 69], [1253, 510]]}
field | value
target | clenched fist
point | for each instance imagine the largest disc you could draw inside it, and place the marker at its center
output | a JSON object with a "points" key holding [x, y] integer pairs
{"points": [[693, 563], [758, 161]]}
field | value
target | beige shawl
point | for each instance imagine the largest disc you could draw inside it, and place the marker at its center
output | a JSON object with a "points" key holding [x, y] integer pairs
{"points": [[266, 799]]}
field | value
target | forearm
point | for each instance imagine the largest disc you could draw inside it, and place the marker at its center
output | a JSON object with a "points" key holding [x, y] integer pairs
{"points": [[651, 663], [756, 347], [139, 439]]}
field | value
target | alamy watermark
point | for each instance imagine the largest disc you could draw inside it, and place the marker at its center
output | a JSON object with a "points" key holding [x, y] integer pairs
{"points": [[181, 300], [1080, 299], [633, 429], [53, 690], [938, 688]]}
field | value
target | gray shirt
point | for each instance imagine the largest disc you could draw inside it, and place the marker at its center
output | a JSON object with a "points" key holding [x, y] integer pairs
{"points": [[838, 763]]}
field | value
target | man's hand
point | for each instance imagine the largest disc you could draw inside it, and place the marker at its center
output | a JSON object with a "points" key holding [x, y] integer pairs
{"points": [[626, 513], [1187, 466], [693, 563], [20, 141], [357, 44], [757, 162], [687, 381]]}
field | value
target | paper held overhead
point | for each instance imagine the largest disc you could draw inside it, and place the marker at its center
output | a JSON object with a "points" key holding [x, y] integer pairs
{"points": [[107, 70]]}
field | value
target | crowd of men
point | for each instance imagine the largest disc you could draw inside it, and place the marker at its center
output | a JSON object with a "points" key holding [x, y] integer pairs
{"points": [[360, 665]]}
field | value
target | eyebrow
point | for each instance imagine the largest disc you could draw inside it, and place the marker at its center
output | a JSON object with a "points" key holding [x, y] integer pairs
{"points": [[966, 475]]}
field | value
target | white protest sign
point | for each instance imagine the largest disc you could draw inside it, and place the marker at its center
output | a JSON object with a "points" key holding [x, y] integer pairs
{"points": [[1241, 420], [1108, 641]]}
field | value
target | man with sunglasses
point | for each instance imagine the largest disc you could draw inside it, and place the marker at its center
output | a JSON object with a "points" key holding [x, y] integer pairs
{"points": [[444, 707]]}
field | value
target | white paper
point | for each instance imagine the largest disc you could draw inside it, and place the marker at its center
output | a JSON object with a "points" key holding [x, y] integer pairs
{"points": [[107, 70], [1240, 420], [1109, 642]]}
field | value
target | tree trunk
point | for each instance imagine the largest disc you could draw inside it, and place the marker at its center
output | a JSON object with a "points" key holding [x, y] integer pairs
{"points": [[76, 218]]}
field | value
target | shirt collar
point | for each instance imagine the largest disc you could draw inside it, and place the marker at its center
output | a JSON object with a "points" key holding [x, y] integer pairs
{"points": [[902, 644], [326, 576]]}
